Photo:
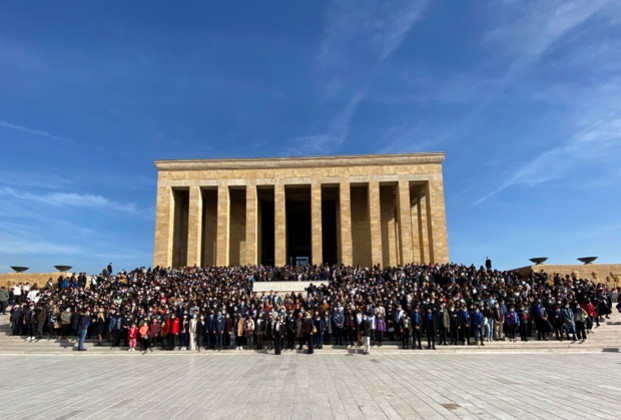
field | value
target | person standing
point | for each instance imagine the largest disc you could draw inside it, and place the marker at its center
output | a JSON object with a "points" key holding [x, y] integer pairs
{"points": [[100, 325], [4, 300], [249, 327], [499, 322], [30, 322], [41, 319], [464, 326], [279, 329], [219, 328], [65, 323], [132, 336], [513, 322], [431, 326], [477, 321], [405, 327], [454, 326], [380, 329], [366, 334], [338, 320], [444, 323], [154, 332], [16, 319], [193, 330], [200, 331], [83, 323], [417, 329], [309, 332], [116, 328]]}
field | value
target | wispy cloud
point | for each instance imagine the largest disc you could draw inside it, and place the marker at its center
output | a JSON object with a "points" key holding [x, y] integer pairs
{"points": [[334, 137], [35, 132], [530, 28], [357, 38], [57, 199], [594, 119], [372, 27]]}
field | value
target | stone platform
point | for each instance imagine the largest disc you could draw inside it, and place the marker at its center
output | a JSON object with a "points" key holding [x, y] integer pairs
{"points": [[321, 386]]}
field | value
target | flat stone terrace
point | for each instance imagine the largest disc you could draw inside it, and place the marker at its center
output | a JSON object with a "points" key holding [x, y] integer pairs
{"points": [[322, 386]]}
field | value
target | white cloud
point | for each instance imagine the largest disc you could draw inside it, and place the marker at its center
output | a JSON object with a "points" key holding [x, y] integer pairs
{"points": [[589, 108], [373, 26], [336, 135], [530, 28], [90, 201], [34, 132]]}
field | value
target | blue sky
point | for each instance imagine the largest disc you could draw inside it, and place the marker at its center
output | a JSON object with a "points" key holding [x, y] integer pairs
{"points": [[523, 96]]}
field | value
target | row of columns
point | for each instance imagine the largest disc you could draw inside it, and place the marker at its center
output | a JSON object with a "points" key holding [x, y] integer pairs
{"points": [[431, 199]]}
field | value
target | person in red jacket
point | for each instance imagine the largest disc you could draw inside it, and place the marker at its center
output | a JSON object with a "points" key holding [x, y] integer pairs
{"points": [[132, 336], [173, 331]]}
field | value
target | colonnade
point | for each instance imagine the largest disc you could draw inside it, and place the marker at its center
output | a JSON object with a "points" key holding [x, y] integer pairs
{"points": [[387, 222]]}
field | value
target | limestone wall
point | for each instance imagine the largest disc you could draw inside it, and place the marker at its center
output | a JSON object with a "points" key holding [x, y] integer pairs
{"points": [[598, 273], [32, 278]]}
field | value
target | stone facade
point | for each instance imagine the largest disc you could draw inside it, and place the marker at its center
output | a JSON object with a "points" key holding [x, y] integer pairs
{"points": [[609, 274], [367, 209]]}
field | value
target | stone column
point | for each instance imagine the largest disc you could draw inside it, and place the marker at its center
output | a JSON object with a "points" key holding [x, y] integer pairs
{"points": [[436, 220], [251, 225], [346, 248], [222, 246], [316, 232], [375, 220], [423, 226], [195, 227], [405, 222], [164, 223], [280, 228]]}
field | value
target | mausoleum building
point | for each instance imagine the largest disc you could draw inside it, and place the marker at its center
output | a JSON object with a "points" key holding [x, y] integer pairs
{"points": [[353, 210]]}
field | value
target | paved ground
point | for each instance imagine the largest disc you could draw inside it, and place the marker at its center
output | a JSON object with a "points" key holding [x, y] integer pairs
{"points": [[323, 386]]}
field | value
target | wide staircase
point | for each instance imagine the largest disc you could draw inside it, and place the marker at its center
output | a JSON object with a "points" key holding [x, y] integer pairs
{"points": [[606, 338]]}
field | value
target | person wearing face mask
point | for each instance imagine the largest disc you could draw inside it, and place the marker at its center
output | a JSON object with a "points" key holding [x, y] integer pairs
{"points": [[513, 322], [568, 321], [200, 331], [499, 322], [523, 323], [30, 322], [465, 324], [477, 322], [192, 330], [417, 329], [184, 333], [454, 326], [219, 329], [430, 326], [154, 332], [173, 332]]}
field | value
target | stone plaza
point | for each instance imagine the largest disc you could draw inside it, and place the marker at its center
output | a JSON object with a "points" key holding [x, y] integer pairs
{"points": [[322, 386], [351, 210]]}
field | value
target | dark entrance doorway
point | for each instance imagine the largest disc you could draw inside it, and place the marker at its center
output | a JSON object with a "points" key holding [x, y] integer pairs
{"points": [[298, 217], [266, 225]]}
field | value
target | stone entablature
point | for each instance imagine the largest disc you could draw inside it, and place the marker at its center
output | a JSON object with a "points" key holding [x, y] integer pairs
{"points": [[378, 209]]}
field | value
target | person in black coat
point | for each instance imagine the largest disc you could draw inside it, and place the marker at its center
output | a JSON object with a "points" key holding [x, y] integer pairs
{"points": [[269, 332], [201, 329], [430, 325], [280, 329], [417, 329], [16, 319], [100, 327], [455, 326]]}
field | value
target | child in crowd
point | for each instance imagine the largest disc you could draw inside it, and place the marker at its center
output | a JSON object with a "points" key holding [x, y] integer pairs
{"points": [[132, 335]]}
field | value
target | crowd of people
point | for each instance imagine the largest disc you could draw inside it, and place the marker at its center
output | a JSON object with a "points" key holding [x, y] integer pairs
{"points": [[214, 308]]}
